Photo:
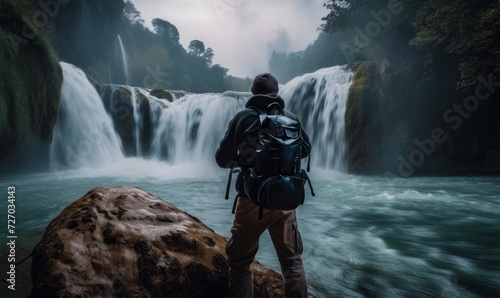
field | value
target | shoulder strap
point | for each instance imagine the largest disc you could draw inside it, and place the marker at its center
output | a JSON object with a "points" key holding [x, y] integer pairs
{"points": [[259, 111], [229, 182], [274, 109]]}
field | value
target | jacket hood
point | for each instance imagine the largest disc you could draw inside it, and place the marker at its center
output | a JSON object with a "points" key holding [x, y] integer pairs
{"points": [[262, 101]]}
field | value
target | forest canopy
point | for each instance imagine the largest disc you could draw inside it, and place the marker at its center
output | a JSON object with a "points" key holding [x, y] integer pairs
{"points": [[459, 32], [88, 34]]}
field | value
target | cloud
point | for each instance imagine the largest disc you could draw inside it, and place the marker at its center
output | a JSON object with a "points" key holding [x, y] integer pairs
{"points": [[248, 31]]}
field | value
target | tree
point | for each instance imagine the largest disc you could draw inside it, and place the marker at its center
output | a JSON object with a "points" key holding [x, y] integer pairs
{"points": [[468, 30], [131, 13], [209, 55], [462, 34], [196, 47], [167, 30]]}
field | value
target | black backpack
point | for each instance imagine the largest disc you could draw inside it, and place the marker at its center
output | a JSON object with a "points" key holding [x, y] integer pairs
{"points": [[276, 182]]}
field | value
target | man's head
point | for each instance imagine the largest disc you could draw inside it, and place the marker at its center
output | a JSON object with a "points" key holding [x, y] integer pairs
{"points": [[265, 83]]}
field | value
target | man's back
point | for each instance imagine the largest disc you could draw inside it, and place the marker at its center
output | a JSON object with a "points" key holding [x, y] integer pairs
{"points": [[239, 145], [238, 148]]}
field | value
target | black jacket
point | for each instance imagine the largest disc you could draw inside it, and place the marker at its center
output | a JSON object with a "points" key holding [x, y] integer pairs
{"points": [[237, 148]]}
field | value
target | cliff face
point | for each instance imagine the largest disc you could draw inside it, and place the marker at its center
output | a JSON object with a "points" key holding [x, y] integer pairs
{"points": [[30, 84], [400, 126], [362, 113]]}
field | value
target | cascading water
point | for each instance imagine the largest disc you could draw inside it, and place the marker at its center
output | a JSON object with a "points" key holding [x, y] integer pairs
{"points": [[319, 99], [124, 59], [84, 135], [190, 127]]}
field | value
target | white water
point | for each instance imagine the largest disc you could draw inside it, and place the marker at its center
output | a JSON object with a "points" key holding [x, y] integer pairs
{"points": [[124, 59], [189, 128], [84, 135], [320, 100]]}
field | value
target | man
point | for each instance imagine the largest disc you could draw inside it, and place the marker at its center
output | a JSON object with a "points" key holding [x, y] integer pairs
{"points": [[237, 148]]}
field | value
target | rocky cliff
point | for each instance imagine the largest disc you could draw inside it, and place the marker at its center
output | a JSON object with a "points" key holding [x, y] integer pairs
{"points": [[30, 83], [400, 126]]}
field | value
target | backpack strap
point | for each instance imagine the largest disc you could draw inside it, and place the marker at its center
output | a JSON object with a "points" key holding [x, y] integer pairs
{"points": [[305, 178], [274, 107], [261, 211], [235, 203], [229, 182], [311, 187]]}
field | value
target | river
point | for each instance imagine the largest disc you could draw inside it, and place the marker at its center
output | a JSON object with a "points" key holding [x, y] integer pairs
{"points": [[363, 237]]}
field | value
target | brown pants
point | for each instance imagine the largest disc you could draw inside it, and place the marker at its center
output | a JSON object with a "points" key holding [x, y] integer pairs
{"points": [[244, 243]]}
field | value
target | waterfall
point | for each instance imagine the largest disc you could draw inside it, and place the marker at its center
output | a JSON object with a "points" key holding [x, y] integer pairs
{"points": [[180, 127], [125, 63], [190, 129], [84, 135], [319, 99]]}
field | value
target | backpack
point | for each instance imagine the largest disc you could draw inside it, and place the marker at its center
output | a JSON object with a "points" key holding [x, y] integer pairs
{"points": [[276, 181]]}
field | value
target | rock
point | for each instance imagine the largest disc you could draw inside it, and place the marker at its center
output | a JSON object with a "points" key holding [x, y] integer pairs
{"points": [[361, 118], [117, 100], [126, 242], [160, 93]]}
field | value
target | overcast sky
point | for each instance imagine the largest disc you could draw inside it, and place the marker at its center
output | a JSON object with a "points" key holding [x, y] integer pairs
{"points": [[242, 33]]}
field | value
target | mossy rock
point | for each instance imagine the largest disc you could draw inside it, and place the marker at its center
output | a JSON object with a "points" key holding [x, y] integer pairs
{"points": [[118, 103], [30, 85], [163, 94], [362, 108], [147, 128]]}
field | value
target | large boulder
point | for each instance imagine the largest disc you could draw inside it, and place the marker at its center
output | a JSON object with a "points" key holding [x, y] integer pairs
{"points": [[126, 242]]}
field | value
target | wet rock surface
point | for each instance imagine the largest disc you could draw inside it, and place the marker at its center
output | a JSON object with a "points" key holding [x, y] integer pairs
{"points": [[126, 242]]}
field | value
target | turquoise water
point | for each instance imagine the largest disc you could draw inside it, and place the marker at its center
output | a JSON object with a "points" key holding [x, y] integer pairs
{"points": [[363, 236]]}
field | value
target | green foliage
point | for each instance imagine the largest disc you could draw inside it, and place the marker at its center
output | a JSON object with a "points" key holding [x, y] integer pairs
{"points": [[166, 30], [85, 33], [209, 55], [131, 13], [196, 47], [239, 84], [464, 34], [467, 29]]}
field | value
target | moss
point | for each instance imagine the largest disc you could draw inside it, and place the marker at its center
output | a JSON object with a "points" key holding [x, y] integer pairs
{"points": [[362, 105], [30, 86], [160, 93]]}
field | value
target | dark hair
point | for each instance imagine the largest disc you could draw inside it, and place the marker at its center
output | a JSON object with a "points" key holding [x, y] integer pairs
{"points": [[265, 83]]}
